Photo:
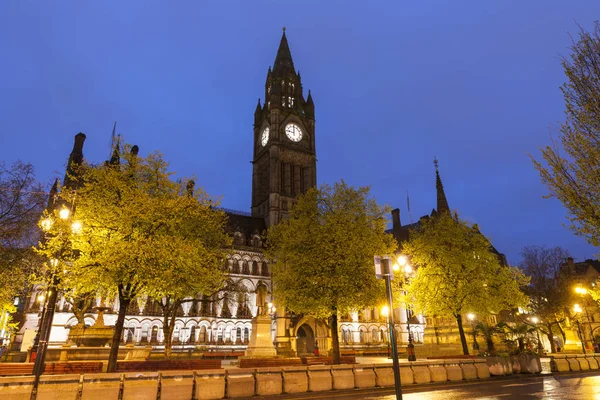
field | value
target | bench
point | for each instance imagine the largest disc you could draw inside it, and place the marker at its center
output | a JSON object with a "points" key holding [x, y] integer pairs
{"points": [[457, 357], [16, 369], [269, 362], [223, 355], [52, 368], [59, 368], [367, 353], [164, 365], [326, 360]]}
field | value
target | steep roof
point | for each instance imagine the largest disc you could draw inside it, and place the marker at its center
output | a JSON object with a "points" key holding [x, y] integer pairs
{"points": [[283, 65]]}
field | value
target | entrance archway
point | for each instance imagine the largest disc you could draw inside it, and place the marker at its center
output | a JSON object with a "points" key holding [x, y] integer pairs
{"points": [[305, 340]]}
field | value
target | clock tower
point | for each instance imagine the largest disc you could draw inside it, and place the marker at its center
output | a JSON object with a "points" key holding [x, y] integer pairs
{"points": [[284, 162]]}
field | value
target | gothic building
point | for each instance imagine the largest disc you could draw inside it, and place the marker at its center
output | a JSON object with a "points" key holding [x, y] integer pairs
{"points": [[283, 166]]}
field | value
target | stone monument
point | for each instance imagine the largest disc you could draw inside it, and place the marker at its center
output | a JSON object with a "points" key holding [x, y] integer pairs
{"points": [[261, 343]]}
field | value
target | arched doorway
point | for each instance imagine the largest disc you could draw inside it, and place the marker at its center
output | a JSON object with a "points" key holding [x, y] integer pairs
{"points": [[305, 340], [154, 335]]}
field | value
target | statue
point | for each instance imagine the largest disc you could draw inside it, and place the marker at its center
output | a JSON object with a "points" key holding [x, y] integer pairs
{"points": [[261, 300]]}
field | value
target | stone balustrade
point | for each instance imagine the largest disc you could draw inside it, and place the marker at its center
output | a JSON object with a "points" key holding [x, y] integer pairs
{"points": [[239, 382], [574, 362]]}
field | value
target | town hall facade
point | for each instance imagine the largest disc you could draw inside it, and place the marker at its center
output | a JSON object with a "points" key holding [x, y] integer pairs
{"points": [[283, 167]]}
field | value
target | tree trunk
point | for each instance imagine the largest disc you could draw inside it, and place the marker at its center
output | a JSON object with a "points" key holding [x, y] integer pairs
{"points": [[489, 339], [521, 342], [169, 316], [463, 339], [550, 336], [124, 300], [335, 340]]}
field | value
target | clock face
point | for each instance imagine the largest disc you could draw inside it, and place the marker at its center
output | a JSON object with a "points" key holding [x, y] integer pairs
{"points": [[264, 137], [293, 132]]}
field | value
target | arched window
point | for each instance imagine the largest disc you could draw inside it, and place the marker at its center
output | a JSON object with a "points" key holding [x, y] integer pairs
{"points": [[256, 242], [246, 335], [374, 336], [264, 269], [238, 336], [245, 268], [361, 336], [202, 336], [254, 268], [346, 335], [235, 267], [238, 239], [192, 338]]}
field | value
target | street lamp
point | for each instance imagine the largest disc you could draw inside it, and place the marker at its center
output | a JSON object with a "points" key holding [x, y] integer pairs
{"points": [[384, 270], [42, 338], [471, 318], [582, 292], [410, 349], [578, 310]]}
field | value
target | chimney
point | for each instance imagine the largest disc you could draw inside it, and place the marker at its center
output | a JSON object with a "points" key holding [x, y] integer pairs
{"points": [[570, 261], [396, 219], [78, 146], [75, 160]]}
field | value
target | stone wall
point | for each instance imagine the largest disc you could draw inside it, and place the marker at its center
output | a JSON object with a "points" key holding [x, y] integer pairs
{"points": [[239, 382]]}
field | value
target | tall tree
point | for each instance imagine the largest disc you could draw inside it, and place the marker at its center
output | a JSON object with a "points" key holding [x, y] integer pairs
{"points": [[573, 175], [548, 289], [21, 202], [324, 254], [457, 272], [187, 265], [135, 232]]}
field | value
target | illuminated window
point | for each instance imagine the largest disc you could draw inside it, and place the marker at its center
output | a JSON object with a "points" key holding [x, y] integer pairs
{"points": [[291, 101]]}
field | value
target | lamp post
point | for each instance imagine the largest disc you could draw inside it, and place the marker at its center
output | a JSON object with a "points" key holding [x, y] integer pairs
{"points": [[578, 310], [582, 292], [43, 335], [384, 271], [410, 349], [471, 318]]}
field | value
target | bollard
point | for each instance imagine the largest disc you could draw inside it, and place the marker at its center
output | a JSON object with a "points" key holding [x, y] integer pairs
{"points": [[319, 378], [176, 385], [240, 382], [102, 386], [295, 379], [269, 381], [364, 376], [140, 386], [210, 384]]}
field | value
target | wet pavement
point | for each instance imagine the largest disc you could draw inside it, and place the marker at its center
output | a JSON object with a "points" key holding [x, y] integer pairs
{"points": [[575, 386]]}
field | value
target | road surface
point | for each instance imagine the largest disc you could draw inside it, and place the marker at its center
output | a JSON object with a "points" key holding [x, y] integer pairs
{"points": [[577, 386]]}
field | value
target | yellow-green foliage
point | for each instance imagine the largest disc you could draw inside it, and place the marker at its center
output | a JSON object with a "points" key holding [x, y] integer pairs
{"points": [[573, 175], [457, 272], [141, 231], [324, 252]]}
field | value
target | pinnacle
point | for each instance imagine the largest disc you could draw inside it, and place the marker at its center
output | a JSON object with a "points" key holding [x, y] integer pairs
{"points": [[283, 61]]}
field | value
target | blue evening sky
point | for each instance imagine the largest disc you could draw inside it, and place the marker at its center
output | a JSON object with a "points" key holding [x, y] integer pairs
{"points": [[395, 83]]}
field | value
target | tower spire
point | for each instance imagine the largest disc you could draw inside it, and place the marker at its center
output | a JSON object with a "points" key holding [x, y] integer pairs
{"points": [[442, 202], [283, 64]]}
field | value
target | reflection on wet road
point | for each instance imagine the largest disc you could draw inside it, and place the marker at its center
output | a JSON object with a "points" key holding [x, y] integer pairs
{"points": [[563, 387], [580, 386]]}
